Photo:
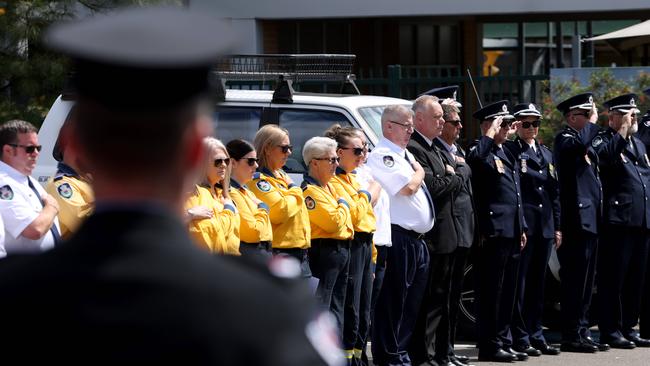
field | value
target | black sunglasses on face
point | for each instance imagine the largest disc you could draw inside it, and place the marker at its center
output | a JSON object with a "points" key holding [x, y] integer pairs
{"points": [[28, 148], [330, 160], [358, 151], [218, 162], [527, 124], [250, 161], [454, 122], [285, 148]]}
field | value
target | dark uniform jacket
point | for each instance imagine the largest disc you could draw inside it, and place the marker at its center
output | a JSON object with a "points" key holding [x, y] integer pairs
{"points": [[442, 186], [131, 288], [580, 188], [644, 130], [625, 170], [464, 211], [539, 188], [495, 177]]}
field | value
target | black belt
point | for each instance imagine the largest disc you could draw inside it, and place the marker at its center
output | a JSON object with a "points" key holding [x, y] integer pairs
{"points": [[331, 242], [410, 233]]}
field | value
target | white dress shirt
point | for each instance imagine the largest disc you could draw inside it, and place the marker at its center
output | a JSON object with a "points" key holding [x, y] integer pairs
{"points": [[382, 236]]}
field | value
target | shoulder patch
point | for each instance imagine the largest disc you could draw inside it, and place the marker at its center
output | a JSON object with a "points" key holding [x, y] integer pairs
{"points": [[6, 193], [310, 203], [596, 141], [646, 123], [64, 190], [263, 185], [388, 161]]}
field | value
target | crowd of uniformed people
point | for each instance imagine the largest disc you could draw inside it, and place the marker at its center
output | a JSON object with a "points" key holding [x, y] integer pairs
{"points": [[386, 235]]}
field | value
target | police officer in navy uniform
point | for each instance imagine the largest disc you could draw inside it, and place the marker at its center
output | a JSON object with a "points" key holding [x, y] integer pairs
{"points": [[580, 202], [497, 190], [130, 287], [540, 193], [625, 235], [644, 325]]}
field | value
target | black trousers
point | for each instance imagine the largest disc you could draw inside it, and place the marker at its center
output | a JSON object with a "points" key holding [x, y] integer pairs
{"points": [[622, 258], [577, 256], [260, 250], [379, 270], [329, 260], [301, 255], [529, 306], [399, 300], [430, 338], [461, 256], [496, 280], [358, 274]]}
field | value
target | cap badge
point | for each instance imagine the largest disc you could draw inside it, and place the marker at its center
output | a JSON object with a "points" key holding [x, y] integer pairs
{"points": [[532, 107], [632, 102], [454, 96], [591, 99], [504, 108]]}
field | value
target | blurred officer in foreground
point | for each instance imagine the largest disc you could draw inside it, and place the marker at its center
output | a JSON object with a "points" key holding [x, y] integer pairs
{"points": [[130, 287], [540, 193], [28, 212], [70, 186], [495, 177], [623, 249], [580, 205], [411, 215]]}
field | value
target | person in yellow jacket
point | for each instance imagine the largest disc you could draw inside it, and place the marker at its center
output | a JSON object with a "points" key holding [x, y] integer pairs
{"points": [[289, 217], [350, 149], [331, 225], [255, 232], [213, 218], [70, 186]]}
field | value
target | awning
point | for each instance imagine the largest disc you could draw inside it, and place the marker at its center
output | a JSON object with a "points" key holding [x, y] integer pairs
{"points": [[628, 37]]}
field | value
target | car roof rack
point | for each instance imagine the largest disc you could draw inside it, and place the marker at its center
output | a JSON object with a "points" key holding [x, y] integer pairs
{"points": [[288, 69]]}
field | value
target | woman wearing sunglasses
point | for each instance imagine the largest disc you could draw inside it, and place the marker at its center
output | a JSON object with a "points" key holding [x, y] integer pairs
{"points": [[331, 225], [213, 218], [351, 151], [289, 217], [255, 232]]}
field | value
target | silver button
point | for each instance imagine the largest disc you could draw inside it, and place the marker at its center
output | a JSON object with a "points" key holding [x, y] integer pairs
{"points": [[541, 172], [518, 205], [579, 204], [517, 193], [540, 188], [540, 205], [616, 202]]}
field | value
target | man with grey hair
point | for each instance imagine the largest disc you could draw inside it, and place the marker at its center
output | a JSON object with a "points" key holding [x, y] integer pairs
{"points": [[430, 340], [412, 215]]}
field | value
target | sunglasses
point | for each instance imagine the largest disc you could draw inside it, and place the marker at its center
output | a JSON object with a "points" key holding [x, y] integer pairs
{"points": [[454, 122], [285, 148], [330, 160], [218, 162], [28, 148], [358, 151], [527, 124], [250, 161]]}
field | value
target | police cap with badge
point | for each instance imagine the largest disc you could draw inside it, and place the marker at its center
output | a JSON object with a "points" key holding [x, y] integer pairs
{"points": [[584, 101], [139, 58], [622, 104], [445, 92], [494, 110]]}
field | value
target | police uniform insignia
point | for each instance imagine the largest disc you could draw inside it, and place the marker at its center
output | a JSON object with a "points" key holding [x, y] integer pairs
{"points": [[623, 158], [388, 161], [499, 164], [64, 190], [524, 165], [310, 203], [454, 97], [591, 99], [551, 171], [596, 141], [632, 102], [263, 185], [504, 108], [647, 123], [6, 193]]}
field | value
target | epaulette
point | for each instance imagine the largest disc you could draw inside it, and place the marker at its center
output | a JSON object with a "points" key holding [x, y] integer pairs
{"points": [[304, 185]]}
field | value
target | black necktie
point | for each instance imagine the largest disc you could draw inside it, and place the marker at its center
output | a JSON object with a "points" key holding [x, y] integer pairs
{"points": [[53, 229]]}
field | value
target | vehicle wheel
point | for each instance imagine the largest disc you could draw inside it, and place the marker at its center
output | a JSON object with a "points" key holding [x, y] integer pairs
{"points": [[466, 327]]}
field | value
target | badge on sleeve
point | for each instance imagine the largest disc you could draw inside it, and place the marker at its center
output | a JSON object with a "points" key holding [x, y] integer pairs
{"points": [[64, 190], [310, 203], [263, 185], [596, 141], [6, 193], [388, 161]]}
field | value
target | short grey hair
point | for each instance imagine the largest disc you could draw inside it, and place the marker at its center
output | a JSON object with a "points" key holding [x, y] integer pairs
{"points": [[316, 147], [421, 103], [392, 111], [448, 110]]}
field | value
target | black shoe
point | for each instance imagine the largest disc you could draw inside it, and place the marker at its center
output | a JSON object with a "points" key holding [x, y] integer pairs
{"points": [[602, 346], [457, 362], [638, 341], [498, 356], [530, 351], [620, 343], [546, 349], [461, 358], [579, 347], [520, 355]]}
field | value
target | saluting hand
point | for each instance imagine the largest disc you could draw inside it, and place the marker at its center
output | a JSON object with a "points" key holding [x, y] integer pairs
{"points": [[494, 128]]}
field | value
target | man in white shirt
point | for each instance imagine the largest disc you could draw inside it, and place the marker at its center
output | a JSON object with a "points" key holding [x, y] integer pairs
{"points": [[28, 212], [411, 215]]}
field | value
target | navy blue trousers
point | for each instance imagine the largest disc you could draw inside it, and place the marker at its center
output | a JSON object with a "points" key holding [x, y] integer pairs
{"points": [[359, 286]]}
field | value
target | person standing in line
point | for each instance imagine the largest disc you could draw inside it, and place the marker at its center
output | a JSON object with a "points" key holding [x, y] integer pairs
{"points": [[540, 195], [28, 212], [411, 215]]}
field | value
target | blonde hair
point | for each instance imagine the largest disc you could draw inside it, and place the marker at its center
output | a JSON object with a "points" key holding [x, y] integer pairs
{"points": [[268, 136], [212, 145]]}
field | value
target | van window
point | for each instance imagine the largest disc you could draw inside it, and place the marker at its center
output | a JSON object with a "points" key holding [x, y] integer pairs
{"points": [[304, 124], [237, 123]]}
